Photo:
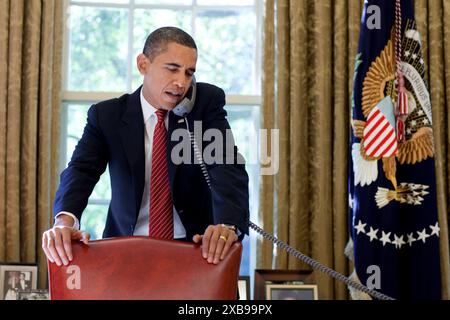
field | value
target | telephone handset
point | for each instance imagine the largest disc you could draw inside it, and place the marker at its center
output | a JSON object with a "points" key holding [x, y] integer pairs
{"points": [[181, 110], [186, 105]]}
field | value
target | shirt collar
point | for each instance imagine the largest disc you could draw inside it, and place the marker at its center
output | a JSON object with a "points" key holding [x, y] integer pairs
{"points": [[147, 109]]}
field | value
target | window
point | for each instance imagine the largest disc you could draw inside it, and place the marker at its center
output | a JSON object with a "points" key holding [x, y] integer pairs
{"points": [[104, 37]]}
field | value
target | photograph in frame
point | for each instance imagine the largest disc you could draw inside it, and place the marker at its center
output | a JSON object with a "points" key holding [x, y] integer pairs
{"points": [[244, 287], [291, 292], [15, 278], [263, 277]]}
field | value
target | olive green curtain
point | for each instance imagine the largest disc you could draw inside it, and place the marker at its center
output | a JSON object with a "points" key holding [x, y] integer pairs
{"points": [[30, 86], [308, 64], [433, 21]]}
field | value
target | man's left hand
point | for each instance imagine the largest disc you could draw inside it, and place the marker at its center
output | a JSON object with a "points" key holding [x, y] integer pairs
{"points": [[216, 241]]}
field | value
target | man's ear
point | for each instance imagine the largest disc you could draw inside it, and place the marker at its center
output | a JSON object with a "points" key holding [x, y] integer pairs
{"points": [[142, 63]]}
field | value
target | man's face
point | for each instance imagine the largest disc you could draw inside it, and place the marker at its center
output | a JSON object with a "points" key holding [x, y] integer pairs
{"points": [[167, 78]]}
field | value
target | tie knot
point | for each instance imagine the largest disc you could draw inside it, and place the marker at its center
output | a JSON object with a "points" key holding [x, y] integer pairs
{"points": [[161, 114]]}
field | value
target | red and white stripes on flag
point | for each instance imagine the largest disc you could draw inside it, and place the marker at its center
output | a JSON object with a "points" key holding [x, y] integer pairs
{"points": [[402, 103], [379, 136]]}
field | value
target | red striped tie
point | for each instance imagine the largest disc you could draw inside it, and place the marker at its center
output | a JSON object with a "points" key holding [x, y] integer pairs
{"points": [[161, 212]]}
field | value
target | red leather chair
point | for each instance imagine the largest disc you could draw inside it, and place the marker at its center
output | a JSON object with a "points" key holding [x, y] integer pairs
{"points": [[144, 268]]}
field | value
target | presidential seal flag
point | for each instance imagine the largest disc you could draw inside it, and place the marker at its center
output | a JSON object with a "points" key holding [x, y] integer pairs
{"points": [[392, 190]]}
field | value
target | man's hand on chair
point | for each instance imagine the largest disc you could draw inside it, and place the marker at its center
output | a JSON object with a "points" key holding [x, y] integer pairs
{"points": [[57, 241], [216, 242]]}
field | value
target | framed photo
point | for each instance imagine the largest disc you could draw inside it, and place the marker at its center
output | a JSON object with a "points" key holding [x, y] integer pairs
{"points": [[244, 287], [15, 278], [263, 277], [36, 294], [291, 292]]}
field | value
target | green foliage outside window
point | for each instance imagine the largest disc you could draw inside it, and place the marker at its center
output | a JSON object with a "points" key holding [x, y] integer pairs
{"points": [[99, 46]]}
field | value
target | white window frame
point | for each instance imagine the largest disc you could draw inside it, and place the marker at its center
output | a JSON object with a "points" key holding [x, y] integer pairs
{"points": [[69, 97]]}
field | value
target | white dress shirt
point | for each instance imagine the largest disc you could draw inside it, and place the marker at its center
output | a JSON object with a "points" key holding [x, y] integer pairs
{"points": [[142, 224]]}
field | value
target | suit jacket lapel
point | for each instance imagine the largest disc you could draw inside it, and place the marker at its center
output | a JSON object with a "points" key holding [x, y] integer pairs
{"points": [[132, 132]]}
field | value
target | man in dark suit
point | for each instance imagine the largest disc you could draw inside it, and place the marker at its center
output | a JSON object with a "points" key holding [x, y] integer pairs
{"points": [[152, 194], [23, 284]]}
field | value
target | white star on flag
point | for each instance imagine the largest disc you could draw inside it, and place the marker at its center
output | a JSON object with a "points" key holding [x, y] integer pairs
{"points": [[435, 229], [360, 227], [372, 234], [422, 235], [398, 241], [385, 238], [410, 239]]}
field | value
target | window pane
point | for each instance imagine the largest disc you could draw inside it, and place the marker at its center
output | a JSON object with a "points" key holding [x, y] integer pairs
{"points": [[102, 189], [244, 122], [93, 220], [164, 2], [226, 41], [146, 21], [98, 49], [77, 117], [76, 121], [227, 3], [102, 1]]}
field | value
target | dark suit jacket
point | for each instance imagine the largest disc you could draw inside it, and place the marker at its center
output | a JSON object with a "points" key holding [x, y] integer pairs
{"points": [[114, 136], [23, 288]]}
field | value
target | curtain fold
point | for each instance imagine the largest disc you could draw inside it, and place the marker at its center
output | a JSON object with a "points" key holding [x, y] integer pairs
{"points": [[433, 24], [29, 119], [264, 253], [308, 66]]}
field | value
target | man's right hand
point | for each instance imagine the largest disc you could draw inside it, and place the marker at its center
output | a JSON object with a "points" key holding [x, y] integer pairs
{"points": [[57, 241]]}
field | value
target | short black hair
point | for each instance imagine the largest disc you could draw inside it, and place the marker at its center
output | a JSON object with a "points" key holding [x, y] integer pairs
{"points": [[158, 40]]}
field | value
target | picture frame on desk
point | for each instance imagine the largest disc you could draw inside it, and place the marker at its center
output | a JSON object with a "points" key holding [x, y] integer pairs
{"points": [[15, 278], [292, 292], [35, 294], [244, 287], [264, 277]]}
